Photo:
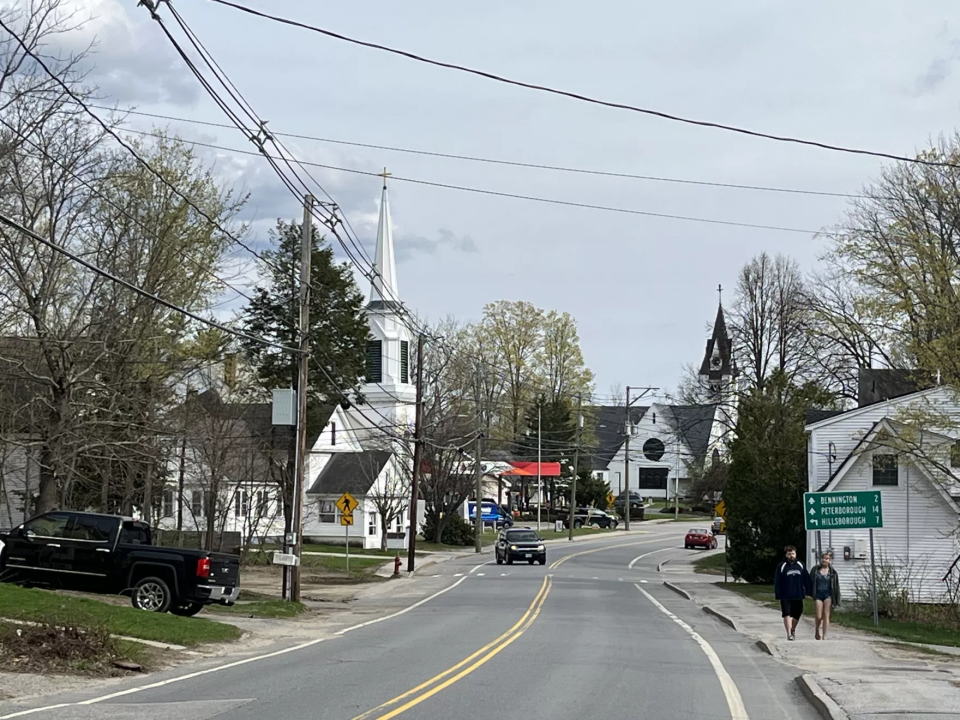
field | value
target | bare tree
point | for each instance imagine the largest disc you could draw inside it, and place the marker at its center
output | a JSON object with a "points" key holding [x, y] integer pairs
{"points": [[770, 318], [390, 485]]}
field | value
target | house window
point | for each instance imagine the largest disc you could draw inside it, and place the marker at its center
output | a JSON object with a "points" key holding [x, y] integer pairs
{"points": [[653, 478], [263, 500], [168, 503], [328, 511], [885, 470], [241, 504], [404, 361], [197, 504], [372, 523], [374, 373], [333, 433], [955, 455]]}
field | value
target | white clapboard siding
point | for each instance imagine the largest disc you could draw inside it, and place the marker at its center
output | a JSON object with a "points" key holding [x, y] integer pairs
{"points": [[918, 541]]}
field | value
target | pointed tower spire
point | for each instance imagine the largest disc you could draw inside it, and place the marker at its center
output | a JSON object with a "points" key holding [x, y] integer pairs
{"points": [[383, 286]]}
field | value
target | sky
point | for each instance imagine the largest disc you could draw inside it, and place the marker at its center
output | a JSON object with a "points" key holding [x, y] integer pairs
{"points": [[875, 74]]}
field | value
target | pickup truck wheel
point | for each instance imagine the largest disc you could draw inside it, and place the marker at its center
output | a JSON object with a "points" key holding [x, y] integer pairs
{"points": [[151, 594], [577, 524], [186, 609]]}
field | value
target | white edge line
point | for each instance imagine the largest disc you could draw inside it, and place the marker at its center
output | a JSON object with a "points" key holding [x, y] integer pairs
{"points": [[396, 614], [734, 702], [219, 668], [634, 561]]}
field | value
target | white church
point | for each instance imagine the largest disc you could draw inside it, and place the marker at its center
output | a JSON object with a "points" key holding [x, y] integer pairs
{"points": [[353, 453], [360, 451]]}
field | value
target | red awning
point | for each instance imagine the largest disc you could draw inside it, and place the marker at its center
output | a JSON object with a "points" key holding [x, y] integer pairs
{"points": [[548, 469]]}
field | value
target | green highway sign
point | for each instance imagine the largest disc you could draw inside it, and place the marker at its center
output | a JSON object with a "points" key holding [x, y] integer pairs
{"points": [[842, 510]]}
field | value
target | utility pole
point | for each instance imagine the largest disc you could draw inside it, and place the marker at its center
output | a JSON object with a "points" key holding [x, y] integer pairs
{"points": [[576, 467], [417, 454], [539, 461], [676, 483], [303, 365], [478, 490], [626, 464]]}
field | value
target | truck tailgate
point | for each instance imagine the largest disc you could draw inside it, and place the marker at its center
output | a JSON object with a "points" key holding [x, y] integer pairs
{"points": [[224, 570]]}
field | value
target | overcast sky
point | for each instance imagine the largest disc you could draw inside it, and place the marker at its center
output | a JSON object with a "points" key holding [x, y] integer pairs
{"points": [[877, 74]]}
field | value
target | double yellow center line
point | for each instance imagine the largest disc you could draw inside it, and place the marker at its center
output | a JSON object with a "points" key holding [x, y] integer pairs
{"points": [[444, 680]]}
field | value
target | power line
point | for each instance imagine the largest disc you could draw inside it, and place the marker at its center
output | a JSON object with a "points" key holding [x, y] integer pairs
{"points": [[112, 133], [11, 223], [580, 97], [497, 161], [515, 196]]}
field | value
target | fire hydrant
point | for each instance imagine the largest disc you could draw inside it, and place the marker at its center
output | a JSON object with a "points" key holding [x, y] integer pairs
{"points": [[396, 566]]}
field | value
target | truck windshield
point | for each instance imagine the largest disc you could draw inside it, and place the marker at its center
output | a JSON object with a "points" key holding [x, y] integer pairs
{"points": [[522, 536]]}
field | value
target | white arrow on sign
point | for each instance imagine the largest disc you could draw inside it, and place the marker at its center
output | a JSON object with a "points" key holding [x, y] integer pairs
{"points": [[812, 511], [814, 522], [810, 501]]}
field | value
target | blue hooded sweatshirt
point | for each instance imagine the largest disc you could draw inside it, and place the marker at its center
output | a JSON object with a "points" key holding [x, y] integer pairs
{"points": [[792, 581]]}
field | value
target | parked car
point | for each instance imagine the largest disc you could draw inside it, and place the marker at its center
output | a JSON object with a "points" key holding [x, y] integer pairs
{"points": [[500, 515], [635, 503], [719, 526], [700, 537], [109, 554], [590, 517], [520, 544]]}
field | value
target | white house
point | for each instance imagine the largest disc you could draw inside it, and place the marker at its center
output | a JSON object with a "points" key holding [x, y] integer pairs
{"points": [[666, 439], [905, 447]]}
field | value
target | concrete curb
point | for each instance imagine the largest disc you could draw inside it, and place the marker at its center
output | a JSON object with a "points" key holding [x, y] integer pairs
{"points": [[660, 566], [721, 617], [679, 591], [766, 647], [824, 704]]}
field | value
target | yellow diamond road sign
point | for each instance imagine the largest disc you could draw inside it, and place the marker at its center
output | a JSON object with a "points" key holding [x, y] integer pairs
{"points": [[347, 504], [721, 509], [346, 519]]}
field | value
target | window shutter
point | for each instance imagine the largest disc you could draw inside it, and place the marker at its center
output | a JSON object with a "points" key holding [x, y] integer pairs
{"points": [[404, 361], [375, 361]]}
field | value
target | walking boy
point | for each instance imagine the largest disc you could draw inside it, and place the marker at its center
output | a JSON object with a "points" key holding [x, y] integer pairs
{"points": [[791, 585]]}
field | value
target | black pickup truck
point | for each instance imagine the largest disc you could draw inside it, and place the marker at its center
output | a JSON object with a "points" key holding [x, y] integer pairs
{"points": [[109, 554]]}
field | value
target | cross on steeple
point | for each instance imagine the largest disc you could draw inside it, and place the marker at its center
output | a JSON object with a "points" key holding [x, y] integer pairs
{"points": [[719, 288], [385, 175]]}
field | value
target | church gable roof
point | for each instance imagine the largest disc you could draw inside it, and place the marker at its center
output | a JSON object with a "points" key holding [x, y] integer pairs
{"points": [[693, 423], [610, 431], [354, 473]]}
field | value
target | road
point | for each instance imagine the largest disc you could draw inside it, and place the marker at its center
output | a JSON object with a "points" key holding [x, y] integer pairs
{"points": [[594, 633]]}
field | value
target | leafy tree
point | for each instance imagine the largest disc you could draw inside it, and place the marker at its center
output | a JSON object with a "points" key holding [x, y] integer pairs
{"points": [[556, 438], [338, 325], [591, 490], [768, 475]]}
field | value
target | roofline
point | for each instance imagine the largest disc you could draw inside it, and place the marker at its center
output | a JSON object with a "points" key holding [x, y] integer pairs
{"points": [[851, 413]]}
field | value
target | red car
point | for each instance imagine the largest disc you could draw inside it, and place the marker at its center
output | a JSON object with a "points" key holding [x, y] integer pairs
{"points": [[699, 537]]}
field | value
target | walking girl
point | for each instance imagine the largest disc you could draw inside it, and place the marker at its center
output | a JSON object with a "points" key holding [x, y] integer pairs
{"points": [[826, 586]]}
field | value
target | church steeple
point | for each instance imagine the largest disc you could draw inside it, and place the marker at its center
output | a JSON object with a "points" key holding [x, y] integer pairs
{"points": [[718, 370], [383, 285], [388, 385]]}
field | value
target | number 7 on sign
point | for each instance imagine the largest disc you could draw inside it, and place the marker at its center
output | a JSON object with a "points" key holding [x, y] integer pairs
{"points": [[347, 503]]}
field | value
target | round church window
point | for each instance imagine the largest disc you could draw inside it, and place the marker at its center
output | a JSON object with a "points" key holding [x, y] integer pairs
{"points": [[653, 449]]}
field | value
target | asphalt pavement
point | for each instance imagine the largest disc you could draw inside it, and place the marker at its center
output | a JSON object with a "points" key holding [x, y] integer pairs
{"points": [[594, 633]]}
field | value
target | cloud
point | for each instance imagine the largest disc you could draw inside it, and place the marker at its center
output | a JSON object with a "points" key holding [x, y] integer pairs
{"points": [[408, 246], [130, 59], [939, 69]]}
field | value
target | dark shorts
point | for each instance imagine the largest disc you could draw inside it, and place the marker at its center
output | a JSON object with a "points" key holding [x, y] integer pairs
{"points": [[823, 595], [791, 608]]}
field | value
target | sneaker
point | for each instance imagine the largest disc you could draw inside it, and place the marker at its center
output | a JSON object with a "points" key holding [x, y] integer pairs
{"points": [[792, 637]]}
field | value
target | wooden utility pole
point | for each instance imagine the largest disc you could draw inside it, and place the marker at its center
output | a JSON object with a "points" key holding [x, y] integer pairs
{"points": [[303, 366], [417, 460], [626, 463], [576, 467]]}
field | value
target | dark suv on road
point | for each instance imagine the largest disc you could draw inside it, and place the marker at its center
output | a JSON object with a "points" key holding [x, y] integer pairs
{"points": [[520, 544]]}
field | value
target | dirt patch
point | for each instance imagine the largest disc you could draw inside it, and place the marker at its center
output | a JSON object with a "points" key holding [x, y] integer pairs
{"points": [[53, 648]]}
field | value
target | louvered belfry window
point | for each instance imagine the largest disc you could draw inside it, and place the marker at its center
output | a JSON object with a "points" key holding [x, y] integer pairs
{"points": [[404, 361], [375, 361]]}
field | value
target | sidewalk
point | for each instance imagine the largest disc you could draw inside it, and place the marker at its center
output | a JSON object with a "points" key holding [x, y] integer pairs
{"points": [[853, 674]]}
